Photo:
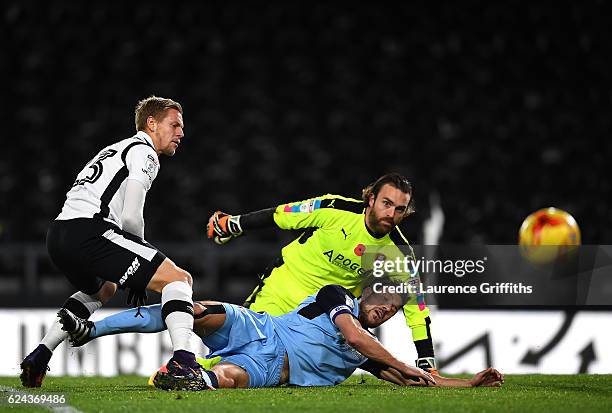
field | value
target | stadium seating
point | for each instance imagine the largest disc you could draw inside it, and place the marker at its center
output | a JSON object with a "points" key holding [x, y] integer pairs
{"points": [[501, 108]]}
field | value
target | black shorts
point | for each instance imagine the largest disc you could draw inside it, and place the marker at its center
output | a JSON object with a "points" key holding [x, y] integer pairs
{"points": [[90, 251]]}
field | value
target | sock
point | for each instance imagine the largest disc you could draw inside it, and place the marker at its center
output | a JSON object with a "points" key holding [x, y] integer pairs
{"points": [[54, 336], [147, 319], [81, 305], [43, 354], [177, 313], [214, 382]]}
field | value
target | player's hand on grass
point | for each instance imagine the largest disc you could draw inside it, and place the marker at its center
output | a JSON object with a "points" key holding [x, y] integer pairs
{"points": [[415, 375], [222, 227], [487, 378]]}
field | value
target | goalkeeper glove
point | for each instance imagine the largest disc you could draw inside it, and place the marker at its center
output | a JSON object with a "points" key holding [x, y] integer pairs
{"points": [[428, 364], [222, 227]]}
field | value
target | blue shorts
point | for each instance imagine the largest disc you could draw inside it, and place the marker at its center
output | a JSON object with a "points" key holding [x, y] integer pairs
{"points": [[248, 339]]}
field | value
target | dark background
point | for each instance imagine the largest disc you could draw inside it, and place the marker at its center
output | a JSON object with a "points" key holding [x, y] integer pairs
{"points": [[501, 109]]}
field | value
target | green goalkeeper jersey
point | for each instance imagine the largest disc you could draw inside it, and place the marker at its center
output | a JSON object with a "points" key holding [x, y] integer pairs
{"points": [[329, 251]]}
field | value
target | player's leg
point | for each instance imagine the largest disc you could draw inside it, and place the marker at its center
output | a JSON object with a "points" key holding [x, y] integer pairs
{"points": [[223, 375], [135, 264], [144, 319], [213, 326], [251, 353], [210, 317], [174, 284], [82, 305], [34, 366], [230, 376], [65, 246]]}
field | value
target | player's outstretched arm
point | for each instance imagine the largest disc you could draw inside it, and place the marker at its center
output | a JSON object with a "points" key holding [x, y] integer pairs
{"points": [[392, 375], [362, 341], [486, 378], [222, 227], [314, 212]]}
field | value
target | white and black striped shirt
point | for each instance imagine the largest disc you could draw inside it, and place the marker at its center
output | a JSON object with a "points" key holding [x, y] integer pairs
{"points": [[99, 189]]}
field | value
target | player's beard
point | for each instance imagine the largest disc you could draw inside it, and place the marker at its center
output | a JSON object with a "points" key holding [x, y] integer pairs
{"points": [[376, 224]]}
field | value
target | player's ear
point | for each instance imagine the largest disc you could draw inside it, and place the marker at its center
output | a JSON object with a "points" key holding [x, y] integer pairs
{"points": [[151, 123], [371, 200]]}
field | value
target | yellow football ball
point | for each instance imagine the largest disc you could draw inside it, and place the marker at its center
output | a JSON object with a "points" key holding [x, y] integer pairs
{"points": [[547, 235]]}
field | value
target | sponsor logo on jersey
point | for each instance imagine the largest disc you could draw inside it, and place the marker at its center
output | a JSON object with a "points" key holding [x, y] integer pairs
{"points": [[130, 271], [339, 310], [343, 262], [349, 301], [150, 167], [344, 233], [304, 207]]}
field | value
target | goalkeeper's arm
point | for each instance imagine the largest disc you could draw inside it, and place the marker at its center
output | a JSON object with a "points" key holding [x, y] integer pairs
{"points": [[223, 227], [315, 212]]}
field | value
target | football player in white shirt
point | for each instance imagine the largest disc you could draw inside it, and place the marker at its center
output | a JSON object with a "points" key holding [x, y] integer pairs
{"points": [[97, 241]]}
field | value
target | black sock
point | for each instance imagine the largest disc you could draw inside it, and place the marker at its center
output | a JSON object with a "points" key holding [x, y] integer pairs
{"points": [[213, 378], [77, 308]]}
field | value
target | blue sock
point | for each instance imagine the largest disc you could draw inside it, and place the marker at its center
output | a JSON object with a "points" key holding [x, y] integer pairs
{"points": [[147, 319]]}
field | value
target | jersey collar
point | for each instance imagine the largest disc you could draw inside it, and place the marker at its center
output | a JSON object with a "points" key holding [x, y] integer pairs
{"points": [[143, 136]]}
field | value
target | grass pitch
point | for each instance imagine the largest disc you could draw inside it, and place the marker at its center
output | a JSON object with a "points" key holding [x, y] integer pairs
{"points": [[535, 393]]}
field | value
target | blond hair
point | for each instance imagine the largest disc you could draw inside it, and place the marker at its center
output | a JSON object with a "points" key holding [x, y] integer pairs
{"points": [[153, 106]]}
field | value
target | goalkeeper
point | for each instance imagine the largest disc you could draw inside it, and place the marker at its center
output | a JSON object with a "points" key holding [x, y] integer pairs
{"points": [[338, 234]]}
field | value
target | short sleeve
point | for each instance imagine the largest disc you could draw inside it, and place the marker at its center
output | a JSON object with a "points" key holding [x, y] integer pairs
{"points": [[142, 164], [335, 300]]}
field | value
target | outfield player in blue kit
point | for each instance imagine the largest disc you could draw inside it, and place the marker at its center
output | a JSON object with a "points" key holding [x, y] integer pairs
{"points": [[321, 343]]}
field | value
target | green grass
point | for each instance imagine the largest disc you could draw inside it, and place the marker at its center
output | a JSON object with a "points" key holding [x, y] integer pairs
{"points": [[534, 393]]}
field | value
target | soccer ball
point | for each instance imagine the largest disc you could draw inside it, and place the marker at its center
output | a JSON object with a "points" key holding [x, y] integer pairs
{"points": [[548, 235]]}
